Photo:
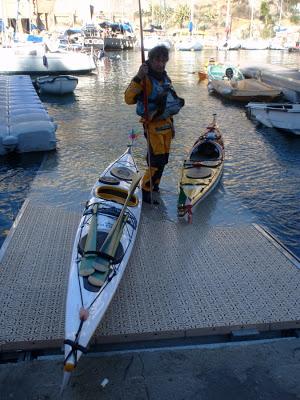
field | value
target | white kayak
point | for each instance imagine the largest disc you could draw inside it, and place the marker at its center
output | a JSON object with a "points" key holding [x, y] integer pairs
{"points": [[102, 247]]}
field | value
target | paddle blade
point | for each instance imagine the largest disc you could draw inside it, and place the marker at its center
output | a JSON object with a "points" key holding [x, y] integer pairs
{"points": [[101, 264], [98, 278], [86, 266], [134, 183], [112, 240], [111, 243], [91, 240]]}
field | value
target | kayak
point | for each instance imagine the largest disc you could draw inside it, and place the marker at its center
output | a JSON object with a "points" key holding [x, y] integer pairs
{"points": [[102, 247], [201, 171]]}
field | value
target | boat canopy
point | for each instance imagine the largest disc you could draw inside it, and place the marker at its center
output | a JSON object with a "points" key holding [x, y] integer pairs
{"points": [[114, 26]]}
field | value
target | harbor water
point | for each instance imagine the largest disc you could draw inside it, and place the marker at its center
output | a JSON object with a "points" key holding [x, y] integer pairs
{"points": [[261, 180]]}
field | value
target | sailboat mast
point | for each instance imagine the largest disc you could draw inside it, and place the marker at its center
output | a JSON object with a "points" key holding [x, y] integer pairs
{"points": [[252, 15], [30, 13], [227, 22], [152, 12], [165, 15], [280, 14]]}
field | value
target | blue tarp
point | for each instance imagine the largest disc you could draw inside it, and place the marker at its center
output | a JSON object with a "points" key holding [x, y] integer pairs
{"points": [[72, 31], [35, 39], [115, 26], [2, 26]]}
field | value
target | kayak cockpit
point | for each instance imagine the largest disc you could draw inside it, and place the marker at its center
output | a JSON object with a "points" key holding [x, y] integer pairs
{"points": [[116, 194], [205, 151]]}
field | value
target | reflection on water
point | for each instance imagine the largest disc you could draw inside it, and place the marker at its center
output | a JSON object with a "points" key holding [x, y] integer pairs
{"points": [[261, 180], [16, 174]]}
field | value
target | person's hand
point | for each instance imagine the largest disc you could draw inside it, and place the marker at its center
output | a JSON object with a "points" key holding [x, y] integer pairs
{"points": [[143, 71]]}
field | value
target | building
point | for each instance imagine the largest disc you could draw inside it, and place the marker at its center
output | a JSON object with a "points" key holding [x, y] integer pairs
{"points": [[23, 15]]}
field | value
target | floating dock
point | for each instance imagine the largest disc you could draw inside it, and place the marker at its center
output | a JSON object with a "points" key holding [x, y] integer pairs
{"points": [[286, 79], [183, 281], [25, 125]]}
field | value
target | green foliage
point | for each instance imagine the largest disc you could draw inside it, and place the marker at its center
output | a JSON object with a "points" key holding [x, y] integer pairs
{"points": [[268, 20], [161, 15], [295, 15], [203, 27], [267, 32], [295, 18], [264, 11], [182, 14]]}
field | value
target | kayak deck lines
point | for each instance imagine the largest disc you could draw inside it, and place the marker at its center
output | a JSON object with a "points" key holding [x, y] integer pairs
{"points": [[226, 278]]}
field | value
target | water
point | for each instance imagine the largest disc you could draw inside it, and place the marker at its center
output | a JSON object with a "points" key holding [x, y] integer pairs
{"points": [[261, 180]]}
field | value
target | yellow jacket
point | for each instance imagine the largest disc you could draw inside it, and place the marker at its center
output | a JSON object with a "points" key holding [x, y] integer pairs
{"points": [[131, 95], [134, 89]]}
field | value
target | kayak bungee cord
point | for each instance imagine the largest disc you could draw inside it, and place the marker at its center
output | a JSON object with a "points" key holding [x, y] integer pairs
{"points": [[84, 312]]}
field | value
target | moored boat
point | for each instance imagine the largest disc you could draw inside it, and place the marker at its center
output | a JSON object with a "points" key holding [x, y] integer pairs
{"points": [[59, 85], [34, 60], [230, 83], [190, 44], [283, 116], [202, 74], [217, 71], [201, 170], [102, 247], [244, 90]]}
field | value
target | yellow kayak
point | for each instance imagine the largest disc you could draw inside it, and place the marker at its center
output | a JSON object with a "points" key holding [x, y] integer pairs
{"points": [[201, 170]]}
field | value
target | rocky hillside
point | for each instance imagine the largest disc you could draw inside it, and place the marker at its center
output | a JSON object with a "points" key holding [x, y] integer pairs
{"points": [[215, 17]]}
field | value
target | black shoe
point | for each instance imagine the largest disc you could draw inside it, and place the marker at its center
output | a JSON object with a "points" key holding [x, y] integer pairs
{"points": [[147, 198], [155, 188]]}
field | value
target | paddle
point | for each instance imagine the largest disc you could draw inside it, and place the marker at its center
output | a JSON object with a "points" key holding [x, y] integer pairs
{"points": [[86, 265], [145, 100], [110, 245], [102, 264]]}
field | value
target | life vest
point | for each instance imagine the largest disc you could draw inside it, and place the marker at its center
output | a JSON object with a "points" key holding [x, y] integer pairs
{"points": [[163, 101]]}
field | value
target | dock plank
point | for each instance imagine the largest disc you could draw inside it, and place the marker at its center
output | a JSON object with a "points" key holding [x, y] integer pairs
{"points": [[181, 281]]}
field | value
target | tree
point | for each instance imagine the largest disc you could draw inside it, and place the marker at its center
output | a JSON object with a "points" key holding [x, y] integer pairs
{"points": [[182, 14], [267, 18], [161, 15]]}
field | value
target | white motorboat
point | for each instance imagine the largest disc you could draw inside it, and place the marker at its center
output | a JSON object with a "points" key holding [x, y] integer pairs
{"points": [[285, 116], [34, 60], [102, 248], [191, 44], [153, 41], [58, 85]]}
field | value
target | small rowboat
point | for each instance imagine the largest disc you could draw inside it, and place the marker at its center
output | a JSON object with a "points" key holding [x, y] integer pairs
{"points": [[102, 247], [58, 85], [243, 90], [284, 116], [202, 75], [201, 171]]}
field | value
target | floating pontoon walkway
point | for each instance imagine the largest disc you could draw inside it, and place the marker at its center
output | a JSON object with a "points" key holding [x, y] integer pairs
{"points": [[181, 282], [25, 125]]}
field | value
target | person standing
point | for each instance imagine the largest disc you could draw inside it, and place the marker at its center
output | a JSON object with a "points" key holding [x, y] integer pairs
{"points": [[163, 103]]}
